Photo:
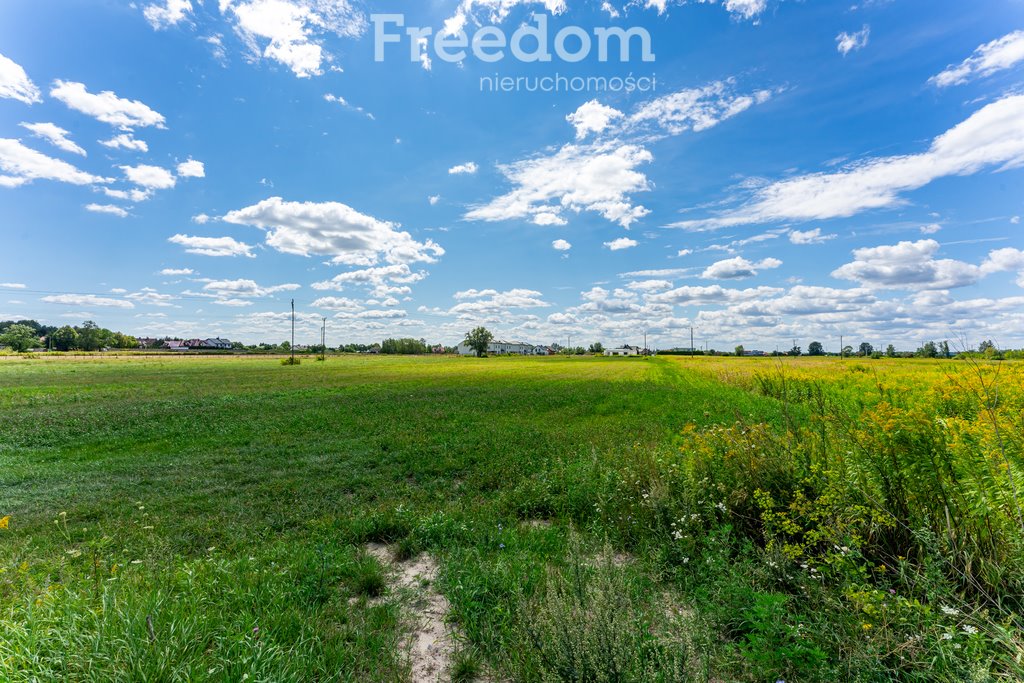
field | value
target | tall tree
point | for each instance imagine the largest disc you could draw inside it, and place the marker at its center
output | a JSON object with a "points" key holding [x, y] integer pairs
{"points": [[478, 339], [90, 336], [815, 349], [866, 349], [65, 338], [20, 338]]}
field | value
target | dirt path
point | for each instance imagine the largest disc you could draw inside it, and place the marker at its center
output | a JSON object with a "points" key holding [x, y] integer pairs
{"points": [[429, 642]]}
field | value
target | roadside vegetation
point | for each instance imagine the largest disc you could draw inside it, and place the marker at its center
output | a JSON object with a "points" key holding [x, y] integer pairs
{"points": [[591, 519]]}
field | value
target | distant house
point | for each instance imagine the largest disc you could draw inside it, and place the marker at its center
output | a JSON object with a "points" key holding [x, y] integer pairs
{"points": [[755, 353], [175, 345], [624, 351], [208, 344], [499, 347]]}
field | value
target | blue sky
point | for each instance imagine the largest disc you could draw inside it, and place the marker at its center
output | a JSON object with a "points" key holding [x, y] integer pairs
{"points": [[794, 170]]}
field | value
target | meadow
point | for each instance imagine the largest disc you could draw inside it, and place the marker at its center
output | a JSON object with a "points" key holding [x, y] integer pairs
{"points": [[590, 519]]}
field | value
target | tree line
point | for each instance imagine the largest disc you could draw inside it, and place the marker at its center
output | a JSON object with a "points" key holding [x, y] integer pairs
{"points": [[23, 335]]}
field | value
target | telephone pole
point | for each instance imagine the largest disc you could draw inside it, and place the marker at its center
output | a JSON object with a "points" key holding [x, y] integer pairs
{"points": [[293, 331], [842, 349], [323, 341], [691, 341]]}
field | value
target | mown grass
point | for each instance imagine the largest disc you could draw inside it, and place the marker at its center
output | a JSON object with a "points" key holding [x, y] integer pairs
{"points": [[204, 519]]}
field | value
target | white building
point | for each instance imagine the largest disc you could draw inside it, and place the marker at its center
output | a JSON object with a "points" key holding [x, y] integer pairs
{"points": [[498, 347], [624, 351]]}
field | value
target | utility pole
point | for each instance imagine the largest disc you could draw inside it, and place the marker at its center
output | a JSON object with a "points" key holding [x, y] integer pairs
{"points": [[323, 341], [691, 341], [293, 331], [842, 349], [645, 342]]}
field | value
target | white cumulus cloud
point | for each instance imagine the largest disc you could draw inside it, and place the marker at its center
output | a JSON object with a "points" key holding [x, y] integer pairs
{"points": [[738, 268], [20, 164], [191, 169], [621, 243], [55, 135], [15, 83], [107, 208], [291, 32], [150, 177], [998, 55], [212, 246], [106, 106], [850, 42], [126, 141], [170, 13], [87, 300], [991, 137], [468, 168], [333, 229]]}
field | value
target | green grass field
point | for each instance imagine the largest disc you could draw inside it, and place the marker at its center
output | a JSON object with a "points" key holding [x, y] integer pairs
{"points": [[194, 519]]}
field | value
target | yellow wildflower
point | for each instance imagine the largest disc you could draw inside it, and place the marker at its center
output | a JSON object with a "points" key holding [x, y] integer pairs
{"points": [[5, 522]]}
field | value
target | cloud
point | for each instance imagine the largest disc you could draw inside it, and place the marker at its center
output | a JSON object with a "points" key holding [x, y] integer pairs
{"points": [[992, 136], [621, 243], [242, 288], [574, 178], [498, 11], [201, 219], [107, 208], [150, 297], [434, 199], [1002, 53], [850, 42], [171, 13], [212, 246], [171, 272], [15, 83], [292, 30], [658, 272], [150, 177], [930, 229], [191, 169], [468, 168], [125, 141], [106, 106], [809, 236], [601, 176], [134, 195], [333, 229], [593, 117], [12, 285], [23, 165], [684, 252], [696, 109], [738, 268], [713, 294], [87, 300], [337, 99], [474, 302], [912, 265], [55, 135], [739, 9], [561, 245], [382, 280], [335, 303]]}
